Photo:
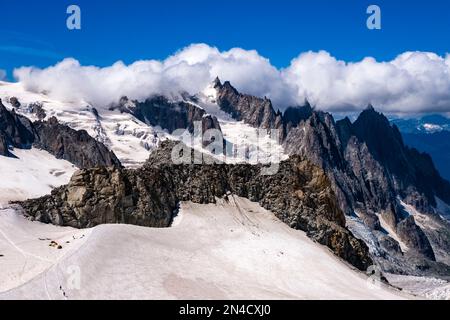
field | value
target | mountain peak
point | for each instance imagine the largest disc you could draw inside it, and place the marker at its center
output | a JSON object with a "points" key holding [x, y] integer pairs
{"points": [[307, 104], [217, 83], [372, 115], [369, 107], [227, 87]]}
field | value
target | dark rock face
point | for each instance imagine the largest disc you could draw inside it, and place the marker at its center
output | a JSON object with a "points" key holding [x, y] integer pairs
{"points": [[412, 173], [252, 110], [318, 139], [366, 161], [414, 237], [300, 194], [77, 147], [370, 167], [15, 129], [14, 102], [61, 141], [3, 145], [38, 110], [428, 180], [293, 116], [438, 234], [159, 111], [436, 144]]}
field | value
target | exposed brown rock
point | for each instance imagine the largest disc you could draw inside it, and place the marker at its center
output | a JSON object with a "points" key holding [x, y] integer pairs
{"points": [[300, 195]]}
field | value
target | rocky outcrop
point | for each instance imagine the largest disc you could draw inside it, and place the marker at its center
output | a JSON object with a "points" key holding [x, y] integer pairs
{"points": [[38, 110], [411, 172], [3, 145], [252, 110], [429, 181], [414, 237], [15, 130], [300, 194], [169, 115], [14, 102], [77, 147], [295, 115], [370, 167], [366, 161]]}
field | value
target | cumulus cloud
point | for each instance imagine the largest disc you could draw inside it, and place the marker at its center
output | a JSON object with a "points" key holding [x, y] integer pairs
{"points": [[2, 74], [412, 82]]}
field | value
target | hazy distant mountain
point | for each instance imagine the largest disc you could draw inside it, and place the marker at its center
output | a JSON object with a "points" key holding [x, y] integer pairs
{"points": [[430, 134], [436, 144], [426, 124]]}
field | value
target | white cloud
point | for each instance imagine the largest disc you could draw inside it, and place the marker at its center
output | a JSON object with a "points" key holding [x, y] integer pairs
{"points": [[2, 74], [412, 82]]}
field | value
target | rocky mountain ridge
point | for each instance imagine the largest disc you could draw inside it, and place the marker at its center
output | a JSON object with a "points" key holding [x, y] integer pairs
{"points": [[74, 146], [369, 168], [367, 162], [299, 194], [77, 147], [15, 130]]}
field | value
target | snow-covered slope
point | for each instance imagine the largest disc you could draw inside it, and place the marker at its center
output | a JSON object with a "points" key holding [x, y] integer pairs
{"points": [[26, 248], [234, 249], [32, 173], [130, 139], [251, 144]]}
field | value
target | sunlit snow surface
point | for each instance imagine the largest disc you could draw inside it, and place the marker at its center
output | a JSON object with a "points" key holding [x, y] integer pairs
{"points": [[132, 140], [26, 248], [30, 174], [231, 250]]}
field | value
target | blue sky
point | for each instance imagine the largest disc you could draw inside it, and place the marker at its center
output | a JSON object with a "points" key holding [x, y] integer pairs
{"points": [[35, 33]]}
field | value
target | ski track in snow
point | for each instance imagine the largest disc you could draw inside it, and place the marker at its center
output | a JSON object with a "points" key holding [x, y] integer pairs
{"points": [[232, 250]]}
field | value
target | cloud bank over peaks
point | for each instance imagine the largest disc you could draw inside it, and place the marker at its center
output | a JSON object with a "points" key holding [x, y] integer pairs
{"points": [[411, 83]]}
